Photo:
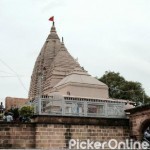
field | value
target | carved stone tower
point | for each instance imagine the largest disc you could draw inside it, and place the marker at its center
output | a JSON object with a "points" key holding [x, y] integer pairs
{"points": [[53, 63]]}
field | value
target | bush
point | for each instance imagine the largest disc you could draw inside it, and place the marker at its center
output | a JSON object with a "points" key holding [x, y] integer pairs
{"points": [[26, 111]]}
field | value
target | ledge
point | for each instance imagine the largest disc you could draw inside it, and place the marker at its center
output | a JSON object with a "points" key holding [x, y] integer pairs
{"points": [[74, 120]]}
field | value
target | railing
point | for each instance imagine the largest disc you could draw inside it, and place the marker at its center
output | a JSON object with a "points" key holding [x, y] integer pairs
{"points": [[48, 106]]}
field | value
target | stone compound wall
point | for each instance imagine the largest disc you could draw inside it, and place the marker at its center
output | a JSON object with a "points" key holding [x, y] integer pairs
{"points": [[55, 136], [58, 132], [14, 135]]}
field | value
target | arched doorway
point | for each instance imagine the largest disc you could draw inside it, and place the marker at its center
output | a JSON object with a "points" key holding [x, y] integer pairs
{"points": [[144, 126], [140, 120]]}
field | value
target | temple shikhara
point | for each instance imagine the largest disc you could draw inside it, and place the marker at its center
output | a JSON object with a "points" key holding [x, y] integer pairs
{"points": [[52, 65], [63, 86]]}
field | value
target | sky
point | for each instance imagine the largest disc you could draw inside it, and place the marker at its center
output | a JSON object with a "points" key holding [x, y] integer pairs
{"points": [[105, 35]]}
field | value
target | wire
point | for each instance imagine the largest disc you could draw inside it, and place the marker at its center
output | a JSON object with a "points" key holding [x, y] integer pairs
{"points": [[7, 76], [15, 74], [5, 72]]}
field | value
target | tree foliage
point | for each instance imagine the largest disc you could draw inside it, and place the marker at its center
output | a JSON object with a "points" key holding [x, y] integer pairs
{"points": [[122, 89], [26, 111]]}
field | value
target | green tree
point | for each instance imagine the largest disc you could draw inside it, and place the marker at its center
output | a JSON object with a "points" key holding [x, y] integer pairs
{"points": [[122, 89], [26, 111]]}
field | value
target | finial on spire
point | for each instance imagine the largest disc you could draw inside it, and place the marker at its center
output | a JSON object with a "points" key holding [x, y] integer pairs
{"points": [[53, 23], [62, 44]]}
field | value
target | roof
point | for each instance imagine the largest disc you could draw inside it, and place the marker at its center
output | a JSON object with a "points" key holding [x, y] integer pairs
{"points": [[80, 76], [139, 109], [99, 99]]}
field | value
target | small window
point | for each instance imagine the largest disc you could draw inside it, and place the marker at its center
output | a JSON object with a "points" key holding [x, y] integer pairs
{"points": [[68, 93]]}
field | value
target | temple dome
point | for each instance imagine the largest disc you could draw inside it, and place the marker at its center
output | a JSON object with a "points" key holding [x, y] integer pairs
{"points": [[80, 83], [80, 76]]}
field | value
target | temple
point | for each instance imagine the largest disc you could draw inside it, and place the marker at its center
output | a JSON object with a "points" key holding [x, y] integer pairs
{"points": [[64, 87], [56, 69]]}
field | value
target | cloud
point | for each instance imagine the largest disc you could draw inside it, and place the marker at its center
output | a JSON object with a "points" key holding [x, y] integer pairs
{"points": [[50, 5]]}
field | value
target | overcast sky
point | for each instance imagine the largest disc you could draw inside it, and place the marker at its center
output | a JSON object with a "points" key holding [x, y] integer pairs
{"points": [[103, 34]]}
